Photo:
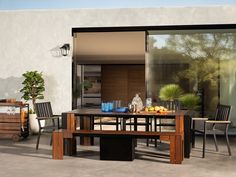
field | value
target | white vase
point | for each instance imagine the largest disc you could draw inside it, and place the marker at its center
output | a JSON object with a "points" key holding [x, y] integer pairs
{"points": [[34, 126]]}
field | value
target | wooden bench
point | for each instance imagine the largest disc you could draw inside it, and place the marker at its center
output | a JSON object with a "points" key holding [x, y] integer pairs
{"points": [[118, 145]]}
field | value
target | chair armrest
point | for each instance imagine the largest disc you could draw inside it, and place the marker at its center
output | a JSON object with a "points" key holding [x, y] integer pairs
{"points": [[200, 118], [56, 115], [46, 118], [218, 122]]}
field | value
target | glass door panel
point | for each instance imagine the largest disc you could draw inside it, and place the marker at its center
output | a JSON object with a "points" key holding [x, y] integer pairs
{"points": [[202, 61]]}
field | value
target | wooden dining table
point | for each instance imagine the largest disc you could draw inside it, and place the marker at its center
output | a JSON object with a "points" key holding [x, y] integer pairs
{"points": [[87, 115]]}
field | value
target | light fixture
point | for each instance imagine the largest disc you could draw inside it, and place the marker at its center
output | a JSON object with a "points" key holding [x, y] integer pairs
{"points": [[65, 49]]}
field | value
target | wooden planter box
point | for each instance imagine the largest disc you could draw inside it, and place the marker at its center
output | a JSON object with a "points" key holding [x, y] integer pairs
{"points": [[14, 126]]}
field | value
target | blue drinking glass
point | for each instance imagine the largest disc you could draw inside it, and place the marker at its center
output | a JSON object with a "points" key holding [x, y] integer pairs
{"points": [[106, 109], [103, 107], [110, 106]]}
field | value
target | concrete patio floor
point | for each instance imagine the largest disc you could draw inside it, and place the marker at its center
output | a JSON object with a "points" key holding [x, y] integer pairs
{"points": [[21, 159]]}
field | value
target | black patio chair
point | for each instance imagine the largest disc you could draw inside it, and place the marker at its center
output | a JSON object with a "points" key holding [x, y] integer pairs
{"points": [[44, 113], [219, 124]]}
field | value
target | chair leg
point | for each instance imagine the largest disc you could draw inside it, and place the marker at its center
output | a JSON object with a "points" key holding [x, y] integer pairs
{"points": [[155, 129], [147, 130], [51, 139], [204, 141], [193, 134], [117, 123], [160, 128], [100, 123], [215, 141], [227, 139], [37, 144]]}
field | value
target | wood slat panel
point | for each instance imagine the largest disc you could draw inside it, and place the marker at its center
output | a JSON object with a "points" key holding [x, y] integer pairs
{"points": [[7, 119], [114, 83], [9, 116], [136, 81], [9, 126], [10, 131], [121, 82]]}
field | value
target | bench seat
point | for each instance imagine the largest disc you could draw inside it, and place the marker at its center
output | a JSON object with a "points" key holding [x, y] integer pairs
{"points": [[110, 139]]}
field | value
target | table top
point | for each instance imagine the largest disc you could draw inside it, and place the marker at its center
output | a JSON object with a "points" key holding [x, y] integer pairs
{"points": [[15, 104], [98, 112]]}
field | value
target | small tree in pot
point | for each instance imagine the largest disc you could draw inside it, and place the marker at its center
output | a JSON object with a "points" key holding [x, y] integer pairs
{"points": [[33, 88]]}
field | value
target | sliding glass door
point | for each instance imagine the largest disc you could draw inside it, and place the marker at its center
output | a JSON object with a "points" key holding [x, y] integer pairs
{"points": [[200, 61]]}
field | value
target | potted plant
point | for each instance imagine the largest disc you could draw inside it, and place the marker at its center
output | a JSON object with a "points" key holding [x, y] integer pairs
{"points": [[170, 92], [190, 102], [33, 88]]}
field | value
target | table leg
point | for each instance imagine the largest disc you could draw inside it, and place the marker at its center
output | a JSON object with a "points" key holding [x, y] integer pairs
{"points": [[187, 136], [69, 123], [117, 148], [86, 124], [179, 128], [176, 149]]}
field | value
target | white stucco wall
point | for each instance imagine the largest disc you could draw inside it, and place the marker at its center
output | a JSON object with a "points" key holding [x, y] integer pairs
{"points": [[26, 38]]}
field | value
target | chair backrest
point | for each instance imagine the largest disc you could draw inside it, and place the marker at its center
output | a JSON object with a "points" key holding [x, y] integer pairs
{"points": [[171, 105], [222, 112], [43, 109]]}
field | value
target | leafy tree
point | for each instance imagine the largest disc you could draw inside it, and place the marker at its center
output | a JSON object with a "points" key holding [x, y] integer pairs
{"points": [[202, 45], [208, 54], [33, 86], [204, 50]]}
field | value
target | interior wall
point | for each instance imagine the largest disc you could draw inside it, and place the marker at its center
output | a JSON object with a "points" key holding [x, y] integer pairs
{"points": [[28, 36]]}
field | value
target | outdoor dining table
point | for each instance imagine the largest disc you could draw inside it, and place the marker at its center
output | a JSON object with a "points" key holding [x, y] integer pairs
{"points": [[86, 121]]}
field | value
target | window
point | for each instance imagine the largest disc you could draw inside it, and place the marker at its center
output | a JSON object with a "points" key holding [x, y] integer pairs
{"points": [[198, 60]]}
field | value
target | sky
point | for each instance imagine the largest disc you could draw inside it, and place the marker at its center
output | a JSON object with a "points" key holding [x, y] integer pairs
{"points": [[75, 4]]}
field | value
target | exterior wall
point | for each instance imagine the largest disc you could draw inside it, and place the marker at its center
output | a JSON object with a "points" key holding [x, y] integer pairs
{"points": [[26, 38]]}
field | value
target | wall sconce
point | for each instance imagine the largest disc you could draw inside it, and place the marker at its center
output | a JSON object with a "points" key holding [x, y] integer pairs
{"points": [[65, 49]]}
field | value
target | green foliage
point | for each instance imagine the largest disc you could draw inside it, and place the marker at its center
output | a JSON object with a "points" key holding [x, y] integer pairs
{"points": [[204, 50], [33, 86], [31, 111], [189, 101], [170, 92], [86, 85]]}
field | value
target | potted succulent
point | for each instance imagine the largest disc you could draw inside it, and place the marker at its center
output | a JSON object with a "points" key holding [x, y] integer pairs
{"points": [[33, 88]]}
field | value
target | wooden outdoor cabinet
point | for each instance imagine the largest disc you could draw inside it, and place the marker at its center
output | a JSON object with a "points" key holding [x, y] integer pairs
{"points": [[14, 120]]}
